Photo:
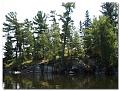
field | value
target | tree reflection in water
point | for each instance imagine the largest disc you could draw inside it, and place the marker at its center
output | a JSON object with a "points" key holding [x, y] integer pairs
{"points": [[50, 81]]}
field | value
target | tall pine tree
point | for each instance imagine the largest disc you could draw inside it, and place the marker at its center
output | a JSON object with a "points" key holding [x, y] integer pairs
{"points": [[87, 22]]}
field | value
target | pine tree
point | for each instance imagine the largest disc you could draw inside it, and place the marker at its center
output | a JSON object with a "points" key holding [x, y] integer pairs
{"points": [[14, 39], [27, 40], [40, 28], [87, 22], [8, 44], [66, 19], [110, 9], [55, 36]]}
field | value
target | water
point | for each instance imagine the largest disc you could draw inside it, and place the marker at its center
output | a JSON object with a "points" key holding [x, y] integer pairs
{"points": [[50, 81]]}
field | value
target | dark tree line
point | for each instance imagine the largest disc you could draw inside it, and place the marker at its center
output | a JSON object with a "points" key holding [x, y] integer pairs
{"points": [[33, 41]]}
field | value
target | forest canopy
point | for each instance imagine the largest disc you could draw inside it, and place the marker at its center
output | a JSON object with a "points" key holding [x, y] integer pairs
{"points": [[36, 41]]}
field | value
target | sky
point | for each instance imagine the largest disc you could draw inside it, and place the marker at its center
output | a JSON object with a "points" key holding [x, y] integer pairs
{"points": [[29, 8]]}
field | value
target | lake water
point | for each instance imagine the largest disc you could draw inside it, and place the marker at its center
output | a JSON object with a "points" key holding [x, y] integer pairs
{"points": [[50, 81]]}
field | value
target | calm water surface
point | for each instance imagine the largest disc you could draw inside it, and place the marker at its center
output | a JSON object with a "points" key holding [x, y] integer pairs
{"points": [[50, 81]]}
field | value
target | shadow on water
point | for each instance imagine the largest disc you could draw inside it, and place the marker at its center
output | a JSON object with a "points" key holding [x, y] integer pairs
{"points": [[50, 81]]}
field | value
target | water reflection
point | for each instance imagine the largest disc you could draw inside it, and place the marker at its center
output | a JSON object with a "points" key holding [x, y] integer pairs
{"points": [[50, 81]]}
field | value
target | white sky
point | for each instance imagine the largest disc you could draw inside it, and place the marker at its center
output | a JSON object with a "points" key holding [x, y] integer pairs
{"points": [[29, 8]]}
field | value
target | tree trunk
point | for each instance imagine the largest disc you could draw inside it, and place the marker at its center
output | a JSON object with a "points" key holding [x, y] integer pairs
{"points": [[63, 49]]}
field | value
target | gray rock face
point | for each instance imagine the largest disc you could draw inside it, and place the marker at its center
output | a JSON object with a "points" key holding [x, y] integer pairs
{"points": [[40, 68]]}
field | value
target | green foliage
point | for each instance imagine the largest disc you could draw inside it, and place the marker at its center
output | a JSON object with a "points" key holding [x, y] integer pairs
{"points": [[110, 9], [40, 22], [9, 49], [87, 21], [40, 29], [27, 40], [66, 19], [36, 41], [100, 41], [76, 48], [54, 33]]}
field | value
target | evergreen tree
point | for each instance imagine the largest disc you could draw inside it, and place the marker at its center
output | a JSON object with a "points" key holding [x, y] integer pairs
{"points": [[27, 40], [8, 49], [76, 45], [87, 41], [8, 44], [40, 28], [55, 36], [110, 9], [104, 39], [87, 22], [100, 42], [13, 27], [66, 19]]}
